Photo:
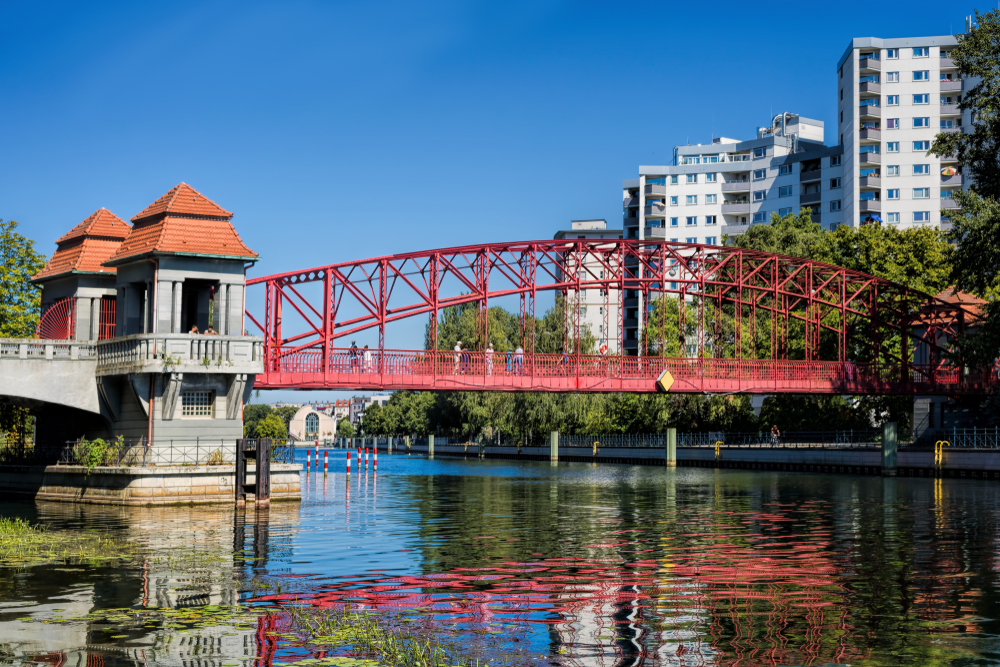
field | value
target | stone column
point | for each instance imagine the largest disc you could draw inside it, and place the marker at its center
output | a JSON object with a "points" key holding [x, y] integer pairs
{"points": [[554, 446], [95, 318], [890, 443], [430, 446], [178, 292], [121, 308], [671, 449], [148, 314]]}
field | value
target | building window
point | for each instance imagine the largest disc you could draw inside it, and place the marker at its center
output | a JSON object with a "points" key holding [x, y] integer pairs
{"points": [[711, 199], [760, 216], [784, 170], [841, 116], [758, 174], [921, 193], [709, 219], [785, 191], [312, 424], [835, 183], [921, 75], [835, 205], [892, 147], [891, 54], [691, 220], [892, 100], [673, 180], [760, 195], [947, 124], [892, 194], [921, 216], [921, 52], [673, 201], [835, 161], [784, 211], [892, 218], [892, 123], [711, 240], [922, 99], [691, 200], [921, 145], [922, 122], [692, 178], [892, 170], [691, 239], [197, 404], [711, 178], [673, 222], [921, 169], [760, 152], [841, 95], [892, 77]]}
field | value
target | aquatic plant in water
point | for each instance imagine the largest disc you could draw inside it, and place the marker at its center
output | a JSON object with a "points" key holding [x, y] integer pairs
{"points": [[24, 545]]}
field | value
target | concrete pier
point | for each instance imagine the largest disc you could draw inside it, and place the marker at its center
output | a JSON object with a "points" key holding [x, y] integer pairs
{"points": [[554, 446], [890, 445], [671, 451]]}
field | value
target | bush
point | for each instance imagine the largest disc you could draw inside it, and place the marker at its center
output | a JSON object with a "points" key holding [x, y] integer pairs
{"points": [[271, 426]]}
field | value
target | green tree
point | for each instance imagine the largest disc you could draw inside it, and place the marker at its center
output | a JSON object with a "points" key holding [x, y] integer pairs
{"points": [[976, 229], [344, 428], [792, 234], [271, 426], [252, 414], [19, 299], [286, 413], [19, 311]]}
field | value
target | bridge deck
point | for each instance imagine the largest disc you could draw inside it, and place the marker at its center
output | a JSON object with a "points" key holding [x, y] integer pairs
{"points": [[447, 371]]}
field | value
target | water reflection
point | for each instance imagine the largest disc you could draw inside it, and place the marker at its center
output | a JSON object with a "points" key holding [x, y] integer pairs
{"points": [[590, 566]]}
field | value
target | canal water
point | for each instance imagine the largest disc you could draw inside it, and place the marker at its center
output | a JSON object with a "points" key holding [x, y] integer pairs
{"points": [[574, 564]]}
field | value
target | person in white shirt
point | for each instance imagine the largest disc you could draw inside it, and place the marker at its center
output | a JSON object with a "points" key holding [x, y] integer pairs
{"points": [[368, 360], [519, 360], [458, 355], [489, 359]]}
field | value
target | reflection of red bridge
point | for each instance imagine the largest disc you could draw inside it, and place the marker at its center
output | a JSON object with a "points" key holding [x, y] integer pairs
{"points": [[757, 322]]}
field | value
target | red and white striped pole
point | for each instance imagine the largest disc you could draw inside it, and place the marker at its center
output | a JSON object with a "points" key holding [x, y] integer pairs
{"points": [[308, 460], [348, 463], [326, 461], [316, 444], [366, 459], [376, 460]]}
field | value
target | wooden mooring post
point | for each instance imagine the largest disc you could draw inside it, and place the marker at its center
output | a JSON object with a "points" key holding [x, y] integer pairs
{"points": [[259, 451]]}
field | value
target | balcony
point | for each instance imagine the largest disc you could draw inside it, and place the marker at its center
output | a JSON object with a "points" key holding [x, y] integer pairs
{"points": [[951, 180], [655, 233], [742, 207], [180, 353], [950, 110], [815, 218], [870, 206], [951, 86], [949, 158], [870, 158], [869, 87], [810, 198], [736, 186], [735, 230], [655, 211], [951, 129], [870, 182], [950, 204], [811, 175], [655, 190], [869, 65], [948, 63], [871, 135], [631, 201], [869, 111]]}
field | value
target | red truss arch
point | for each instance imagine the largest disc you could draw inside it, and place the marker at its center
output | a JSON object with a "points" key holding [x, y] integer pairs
{"points": [[749, 322], [58, 319]]}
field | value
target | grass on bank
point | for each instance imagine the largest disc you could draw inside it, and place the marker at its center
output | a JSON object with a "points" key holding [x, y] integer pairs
{"points": [[24, 545]]}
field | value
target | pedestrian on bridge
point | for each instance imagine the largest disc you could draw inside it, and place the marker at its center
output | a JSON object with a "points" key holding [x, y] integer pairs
{"points": [[489, 359], [368, 360], [458, 356], [509, 358], [466, 360], [519, 360], [355, 357]]}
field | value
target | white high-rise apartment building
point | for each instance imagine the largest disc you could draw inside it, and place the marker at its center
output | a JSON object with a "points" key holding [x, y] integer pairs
{"points": [[592, 303], [895, 95]]}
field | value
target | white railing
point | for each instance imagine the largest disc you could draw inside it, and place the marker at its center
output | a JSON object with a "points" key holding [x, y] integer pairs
{"points": [[191, 351], [35, 348]]}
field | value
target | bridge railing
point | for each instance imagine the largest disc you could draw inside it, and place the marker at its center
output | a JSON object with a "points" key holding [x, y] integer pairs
{"points": [[369, 365], [36, 348], [846, 439], [136, 453], [971, 438], [191, 351]]}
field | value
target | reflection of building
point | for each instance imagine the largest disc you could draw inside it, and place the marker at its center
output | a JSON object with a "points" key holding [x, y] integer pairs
{"points": [[310, 423], [598, 311]]}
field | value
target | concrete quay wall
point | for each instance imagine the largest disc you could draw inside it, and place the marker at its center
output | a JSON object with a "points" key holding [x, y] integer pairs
{"points": [[160, 485]]}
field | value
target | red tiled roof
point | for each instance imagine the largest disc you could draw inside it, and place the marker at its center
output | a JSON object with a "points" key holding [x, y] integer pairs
{"points": [[164, 227], [971, 304], [101, 223], [182, 199], [87, 246]]}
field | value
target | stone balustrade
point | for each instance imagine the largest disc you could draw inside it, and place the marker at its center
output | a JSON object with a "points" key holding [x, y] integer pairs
{"points": [[188, 353]]}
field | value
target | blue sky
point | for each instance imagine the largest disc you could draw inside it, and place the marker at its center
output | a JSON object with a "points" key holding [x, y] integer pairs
{"points": [[342, 130]]}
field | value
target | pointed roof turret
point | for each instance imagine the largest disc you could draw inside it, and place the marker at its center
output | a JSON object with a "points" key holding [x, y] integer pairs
{"points": [[87, 246], [183, 222]]}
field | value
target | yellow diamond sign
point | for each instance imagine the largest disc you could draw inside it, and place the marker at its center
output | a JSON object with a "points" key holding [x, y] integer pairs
{"points": [[665, 381]]}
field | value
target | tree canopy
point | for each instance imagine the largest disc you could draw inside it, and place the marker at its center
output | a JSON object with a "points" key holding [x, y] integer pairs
{"points": [[19, 298]]}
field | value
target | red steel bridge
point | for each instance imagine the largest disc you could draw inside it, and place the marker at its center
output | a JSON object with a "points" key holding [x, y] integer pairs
{"points": [[746, 321]]}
